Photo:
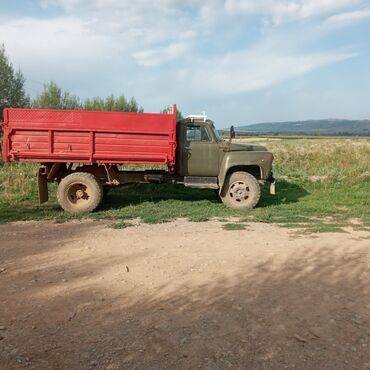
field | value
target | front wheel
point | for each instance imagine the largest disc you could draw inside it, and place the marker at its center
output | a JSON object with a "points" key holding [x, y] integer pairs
{"points": [[80, 192], [241, 190]]}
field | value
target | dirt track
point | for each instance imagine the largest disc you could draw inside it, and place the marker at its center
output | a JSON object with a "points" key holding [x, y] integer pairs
{"points": [[182, 295]]}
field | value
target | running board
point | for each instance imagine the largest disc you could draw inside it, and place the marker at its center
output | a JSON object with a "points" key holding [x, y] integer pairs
{"points": [[201, 182]]}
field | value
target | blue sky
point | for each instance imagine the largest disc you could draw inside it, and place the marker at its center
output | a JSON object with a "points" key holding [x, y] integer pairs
{"points": [[241, 61]]}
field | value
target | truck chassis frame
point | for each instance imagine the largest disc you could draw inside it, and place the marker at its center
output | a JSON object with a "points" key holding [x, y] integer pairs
{"points": [[110, 175]]}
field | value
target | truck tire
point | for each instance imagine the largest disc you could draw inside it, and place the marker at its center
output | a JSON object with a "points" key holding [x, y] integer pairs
{"points": [[79, 192], [241, 190]]}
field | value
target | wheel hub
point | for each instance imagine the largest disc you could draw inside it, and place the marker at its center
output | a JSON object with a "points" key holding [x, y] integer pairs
{"points": [[78, 193], [239, 191]]}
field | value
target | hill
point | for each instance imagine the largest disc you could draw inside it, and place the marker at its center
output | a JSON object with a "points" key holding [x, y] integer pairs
{"points": [[330, 127]]}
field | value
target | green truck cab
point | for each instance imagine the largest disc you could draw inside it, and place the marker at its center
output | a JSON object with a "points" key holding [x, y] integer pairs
{"points": [[236, 170]]}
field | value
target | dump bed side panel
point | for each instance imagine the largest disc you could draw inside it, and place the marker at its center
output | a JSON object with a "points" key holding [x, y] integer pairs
{"points": [[43, 135]]}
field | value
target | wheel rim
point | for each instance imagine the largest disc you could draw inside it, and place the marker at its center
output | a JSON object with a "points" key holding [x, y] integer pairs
{"points": [[78, 195], [239, 192]]}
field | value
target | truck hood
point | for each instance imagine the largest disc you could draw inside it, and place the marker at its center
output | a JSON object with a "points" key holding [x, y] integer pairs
{"points": [[234, 147]]}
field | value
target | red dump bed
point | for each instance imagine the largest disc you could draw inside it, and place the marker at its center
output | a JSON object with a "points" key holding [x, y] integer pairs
{"points": [[45, 135]]}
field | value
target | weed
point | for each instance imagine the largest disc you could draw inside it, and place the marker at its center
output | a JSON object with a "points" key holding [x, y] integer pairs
{"points": [[121, 225], [233, 226]]}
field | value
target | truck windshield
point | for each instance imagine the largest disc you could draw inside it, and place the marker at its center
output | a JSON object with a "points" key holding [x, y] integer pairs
{"points": [[217, 134]]}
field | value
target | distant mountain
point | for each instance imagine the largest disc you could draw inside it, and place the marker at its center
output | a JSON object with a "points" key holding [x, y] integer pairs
{"points": [[312, 127]]}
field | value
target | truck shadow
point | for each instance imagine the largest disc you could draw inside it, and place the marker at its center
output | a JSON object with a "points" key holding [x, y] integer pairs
{"points": [[155, 203], [287, 192]]}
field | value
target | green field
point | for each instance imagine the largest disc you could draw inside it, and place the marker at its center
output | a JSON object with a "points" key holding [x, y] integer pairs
{"points": [[323, 185]]}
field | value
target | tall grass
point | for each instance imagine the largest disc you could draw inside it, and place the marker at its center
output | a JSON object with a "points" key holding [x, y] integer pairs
{"points": [[324, 185], [340, 160], [18, 181]]}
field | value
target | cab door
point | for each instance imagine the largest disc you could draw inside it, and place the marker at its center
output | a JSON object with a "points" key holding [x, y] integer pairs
{"points": [[198, 151]]}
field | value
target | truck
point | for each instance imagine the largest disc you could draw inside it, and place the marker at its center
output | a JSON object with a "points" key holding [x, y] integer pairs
{"points": [[88, 152]]}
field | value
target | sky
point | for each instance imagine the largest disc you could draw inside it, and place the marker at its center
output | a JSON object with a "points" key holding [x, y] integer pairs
{"points": [[240, 61]]}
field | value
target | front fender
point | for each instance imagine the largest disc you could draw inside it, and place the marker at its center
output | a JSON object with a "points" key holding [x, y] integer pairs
{"points": [[243, 159]]}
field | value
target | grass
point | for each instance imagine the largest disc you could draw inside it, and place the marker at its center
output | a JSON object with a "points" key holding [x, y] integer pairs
{"points": [[121, 225], [233, 226], [324, 186]]}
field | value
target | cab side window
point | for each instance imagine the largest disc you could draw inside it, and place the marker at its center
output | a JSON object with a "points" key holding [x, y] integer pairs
{"points": [[197, 133]]}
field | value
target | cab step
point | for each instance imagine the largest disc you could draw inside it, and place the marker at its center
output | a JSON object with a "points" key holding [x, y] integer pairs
{"points": [[201, 182]]}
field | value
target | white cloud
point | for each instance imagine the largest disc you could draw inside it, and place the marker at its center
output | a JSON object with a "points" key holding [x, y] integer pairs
{"points": [[283, 11], [64, 49], [64, 36], [146, 21], [143, 27], [344, 19], [254, 69], [96, 47], [156, 57]]}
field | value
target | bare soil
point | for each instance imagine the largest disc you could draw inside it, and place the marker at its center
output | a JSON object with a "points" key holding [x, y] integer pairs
{"points": [[182, 295]]}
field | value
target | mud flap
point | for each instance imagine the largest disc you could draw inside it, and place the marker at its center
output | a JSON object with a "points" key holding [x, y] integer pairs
{"points": [[43, 186], [273, 188]]}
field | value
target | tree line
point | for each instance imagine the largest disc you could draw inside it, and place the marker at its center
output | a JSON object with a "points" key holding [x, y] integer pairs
{"points": [[13, 94]]}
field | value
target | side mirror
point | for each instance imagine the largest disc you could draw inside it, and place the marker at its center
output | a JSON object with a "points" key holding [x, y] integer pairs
{"points": [[232, 132]]}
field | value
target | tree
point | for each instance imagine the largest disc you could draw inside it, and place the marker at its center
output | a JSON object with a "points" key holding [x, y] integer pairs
{"points": [[168, 109], [133, 106], [111, 103], [94, 104], [12, 92], [52, 97]]}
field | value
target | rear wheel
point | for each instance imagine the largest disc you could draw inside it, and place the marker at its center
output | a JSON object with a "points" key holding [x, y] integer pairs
{"points": [[241, 190], [80, 192]]}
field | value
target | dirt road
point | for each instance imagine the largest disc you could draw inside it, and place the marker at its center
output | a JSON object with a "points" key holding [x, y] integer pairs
{"points": [[182, 295]]}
